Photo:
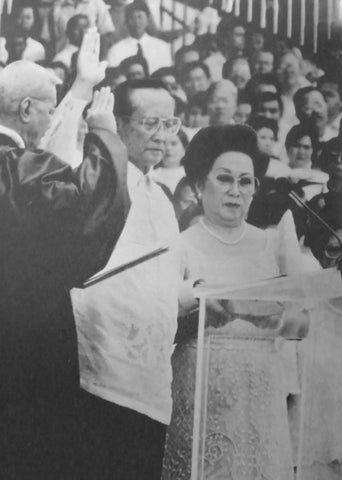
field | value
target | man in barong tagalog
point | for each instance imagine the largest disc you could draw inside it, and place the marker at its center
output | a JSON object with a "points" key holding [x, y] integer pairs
{"points": [[59, 226]]}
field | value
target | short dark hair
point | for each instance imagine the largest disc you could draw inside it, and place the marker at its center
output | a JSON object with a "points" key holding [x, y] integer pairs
{"points": [[299, 131], [263, 97], [243, 97], [298, 98], [137, 5], [210, 142], [73, 21], [122, 105], [183, 138], [229, 64], [192, 66], [330, 78], [258, 122], [199, 100], [134, 60], [163, 72], [214, 86], [185, 49], [262, 78]]}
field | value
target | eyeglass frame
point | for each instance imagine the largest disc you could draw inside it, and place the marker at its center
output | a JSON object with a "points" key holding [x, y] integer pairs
{"points": [[237, 180], [332, 257], [161, 121]]}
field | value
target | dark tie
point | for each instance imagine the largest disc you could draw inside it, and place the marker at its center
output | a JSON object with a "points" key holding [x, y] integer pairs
{"points": [[140, 51]]}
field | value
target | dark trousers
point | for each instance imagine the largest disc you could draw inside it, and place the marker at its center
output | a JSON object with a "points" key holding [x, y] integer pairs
{"points": [[39, 440], [119, 443]]}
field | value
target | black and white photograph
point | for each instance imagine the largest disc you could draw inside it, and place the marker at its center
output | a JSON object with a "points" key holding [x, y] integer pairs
{"points": [[171, 240]]}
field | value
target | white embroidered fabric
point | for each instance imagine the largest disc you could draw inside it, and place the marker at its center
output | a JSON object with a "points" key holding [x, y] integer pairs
{"points": [[246, 429]]}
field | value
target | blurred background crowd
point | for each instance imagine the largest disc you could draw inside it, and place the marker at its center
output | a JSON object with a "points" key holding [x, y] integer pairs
{"points": [[222, 65]]}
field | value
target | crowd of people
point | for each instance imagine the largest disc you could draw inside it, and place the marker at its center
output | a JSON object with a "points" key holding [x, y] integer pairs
{"points": [[112, 142]]}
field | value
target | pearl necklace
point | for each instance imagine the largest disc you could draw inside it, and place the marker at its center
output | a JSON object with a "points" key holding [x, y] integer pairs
{"points": [[223, 240]]}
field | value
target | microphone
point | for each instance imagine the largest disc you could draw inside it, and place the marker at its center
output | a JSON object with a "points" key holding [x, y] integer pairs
{"points": [[296, 198]]}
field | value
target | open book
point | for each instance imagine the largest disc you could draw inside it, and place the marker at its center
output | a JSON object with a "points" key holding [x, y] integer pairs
{"points": [[123, 259]]}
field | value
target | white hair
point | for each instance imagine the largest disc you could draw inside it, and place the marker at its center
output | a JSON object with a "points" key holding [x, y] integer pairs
{"points": [[23, 79]]}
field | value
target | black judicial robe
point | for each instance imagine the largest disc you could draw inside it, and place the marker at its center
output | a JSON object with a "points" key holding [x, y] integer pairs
{"points": [[58, 226]]}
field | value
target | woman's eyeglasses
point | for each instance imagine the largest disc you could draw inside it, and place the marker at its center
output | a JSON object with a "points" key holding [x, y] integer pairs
{"points": [[333, 251], [245, 183], [153, 124]]}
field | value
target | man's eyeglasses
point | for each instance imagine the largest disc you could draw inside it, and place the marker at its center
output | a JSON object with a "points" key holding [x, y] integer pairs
{"points": [[153, 124], [245, 183]]}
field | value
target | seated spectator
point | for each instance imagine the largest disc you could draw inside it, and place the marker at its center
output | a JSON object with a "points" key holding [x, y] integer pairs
{"points": [[196, 116], [117, 12], [310, 107], [310, 69], [134, 68], [184, 55], [231, 38], [195, 78], [267, 104], [238, 71], [267, 132], [263, 61], [255, 42], [170, 171], [210, 55], [139, 42], [26, 17], [291, 80], [331, 88], [183, 197], [263, 82], [301, 146], [16, 45], [243, 108], [168, 76], [222, 100], [75, 30], [96, 11], [270, 105]]}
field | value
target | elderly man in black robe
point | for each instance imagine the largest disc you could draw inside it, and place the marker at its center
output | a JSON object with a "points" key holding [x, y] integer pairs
{"points": [[58, 227]]}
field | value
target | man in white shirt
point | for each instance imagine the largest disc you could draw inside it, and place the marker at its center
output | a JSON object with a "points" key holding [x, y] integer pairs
{"points": [[76, 28], [96, 11], [127, 324], [156, 51]]}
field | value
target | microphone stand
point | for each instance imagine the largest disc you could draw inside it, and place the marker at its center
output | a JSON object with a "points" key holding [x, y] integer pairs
{"points": [[296, 198]]}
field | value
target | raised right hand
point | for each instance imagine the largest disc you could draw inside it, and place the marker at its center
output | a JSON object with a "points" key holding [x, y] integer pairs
{"points": [[89, 68]]}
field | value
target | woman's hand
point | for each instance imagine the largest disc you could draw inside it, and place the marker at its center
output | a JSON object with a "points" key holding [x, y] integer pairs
{"points": [[218, 313], [262, 314]]}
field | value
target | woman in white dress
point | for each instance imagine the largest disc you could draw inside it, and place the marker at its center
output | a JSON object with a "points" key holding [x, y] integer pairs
{"points": [[247, 432]]}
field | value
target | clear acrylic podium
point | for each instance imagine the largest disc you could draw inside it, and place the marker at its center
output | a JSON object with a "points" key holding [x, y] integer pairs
{"points": [[240, 426]]}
